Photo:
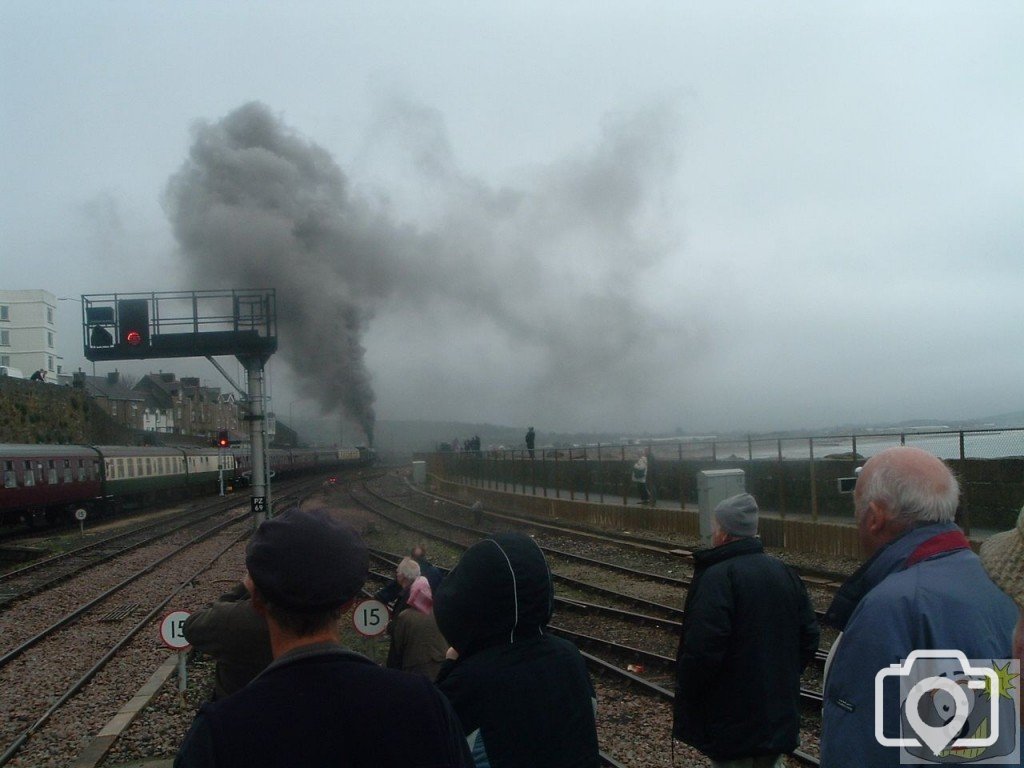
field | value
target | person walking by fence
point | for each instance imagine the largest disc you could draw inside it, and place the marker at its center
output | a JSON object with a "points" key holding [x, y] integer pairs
{"points": [[639, 475], [531, 438]]}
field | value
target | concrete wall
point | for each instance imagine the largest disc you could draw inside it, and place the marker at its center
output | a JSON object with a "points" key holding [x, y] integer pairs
{"points": [[797, 535]]}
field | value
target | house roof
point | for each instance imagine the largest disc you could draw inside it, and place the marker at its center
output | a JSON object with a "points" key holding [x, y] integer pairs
{"points": [[102, 386]]}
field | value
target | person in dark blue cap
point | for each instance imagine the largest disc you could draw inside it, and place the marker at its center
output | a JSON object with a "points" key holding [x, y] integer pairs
{"points": [[319, 704]]}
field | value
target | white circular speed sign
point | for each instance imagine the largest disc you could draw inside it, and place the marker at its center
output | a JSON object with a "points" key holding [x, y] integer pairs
{"points": [[172, 630], [370, 617], [80, 514]]}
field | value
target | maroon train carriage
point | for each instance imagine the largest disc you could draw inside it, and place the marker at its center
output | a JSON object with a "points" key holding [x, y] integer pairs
{"points": [[43, 483], [47, 483]]}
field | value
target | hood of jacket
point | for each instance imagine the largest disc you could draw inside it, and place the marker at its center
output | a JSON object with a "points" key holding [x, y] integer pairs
{"points": [[501, 590]]}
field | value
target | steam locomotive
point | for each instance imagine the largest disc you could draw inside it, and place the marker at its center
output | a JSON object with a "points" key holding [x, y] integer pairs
{"points": [[44, 484]]}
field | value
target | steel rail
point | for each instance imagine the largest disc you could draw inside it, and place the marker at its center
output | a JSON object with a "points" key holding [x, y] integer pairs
{"points": [[98, 553], [36, 564], [816, 576], [662, 692], [819, 656], [75, 687], [557, 552], [14, 653], [808, 695]]}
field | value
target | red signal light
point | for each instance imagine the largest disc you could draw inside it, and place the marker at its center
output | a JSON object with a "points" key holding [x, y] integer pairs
{"points": [[134, 338]]}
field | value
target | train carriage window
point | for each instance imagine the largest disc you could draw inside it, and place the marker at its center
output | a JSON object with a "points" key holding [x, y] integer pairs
{"points": [[30, 475], [51, 475], [95, 469], [138, 467], [10, 476], [131, 468], [81, 470], [149, 466], [68, 477]]}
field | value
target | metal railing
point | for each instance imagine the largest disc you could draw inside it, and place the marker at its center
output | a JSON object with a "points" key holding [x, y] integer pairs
{"points": [[788, 475]]}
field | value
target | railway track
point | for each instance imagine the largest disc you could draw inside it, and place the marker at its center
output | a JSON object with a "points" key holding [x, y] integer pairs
{"points": [[645, 546], [55, 665], [46, 573], [638, 610], [812, 576], [627, 663]]}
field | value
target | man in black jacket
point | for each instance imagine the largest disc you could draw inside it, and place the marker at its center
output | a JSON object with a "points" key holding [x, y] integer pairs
{"points": [[318, 704], [748, 631]]}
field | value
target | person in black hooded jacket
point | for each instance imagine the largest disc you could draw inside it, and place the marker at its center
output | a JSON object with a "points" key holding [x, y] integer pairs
{"points": [[524, 697]]}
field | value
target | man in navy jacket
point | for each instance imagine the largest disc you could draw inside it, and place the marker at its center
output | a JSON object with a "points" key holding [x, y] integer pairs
{"points": [[319, 704], [748, 631]]}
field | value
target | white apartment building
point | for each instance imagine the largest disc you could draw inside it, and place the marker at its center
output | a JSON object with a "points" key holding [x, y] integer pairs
{"points": [[28, 332]]}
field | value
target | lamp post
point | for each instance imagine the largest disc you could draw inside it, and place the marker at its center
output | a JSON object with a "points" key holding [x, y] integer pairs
{"points": [[79, 302], [291, 424]]}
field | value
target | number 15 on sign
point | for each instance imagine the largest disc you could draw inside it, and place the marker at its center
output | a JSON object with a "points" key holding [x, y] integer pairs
{"points": [[370, 617]]}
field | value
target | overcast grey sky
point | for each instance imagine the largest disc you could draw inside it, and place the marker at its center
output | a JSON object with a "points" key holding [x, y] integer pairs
{"points": [[582, 216]]}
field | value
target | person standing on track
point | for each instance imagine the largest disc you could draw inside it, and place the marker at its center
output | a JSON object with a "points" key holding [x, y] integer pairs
{"points": [[235, 636], [748, 632], [921, 588], [318, 704], [417, 645]]}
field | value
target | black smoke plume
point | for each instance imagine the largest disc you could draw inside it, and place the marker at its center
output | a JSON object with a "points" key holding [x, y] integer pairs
{"points": [[257, 206], [547, 270]]}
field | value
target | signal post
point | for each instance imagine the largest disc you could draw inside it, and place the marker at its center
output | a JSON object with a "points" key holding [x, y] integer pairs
{"points": [[243, 323]]}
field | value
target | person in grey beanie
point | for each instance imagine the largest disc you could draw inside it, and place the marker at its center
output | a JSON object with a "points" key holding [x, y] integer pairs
{"points": [[748, 632]]}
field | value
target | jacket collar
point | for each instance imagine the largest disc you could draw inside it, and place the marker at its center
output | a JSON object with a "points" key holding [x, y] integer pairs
{"points": [[894, 556], [748, 545]]}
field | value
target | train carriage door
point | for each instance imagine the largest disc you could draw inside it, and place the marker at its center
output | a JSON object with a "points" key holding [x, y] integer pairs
{"points": [[68, 477], [81, 470], [10, 476], [51, 475], [30, 475]]}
